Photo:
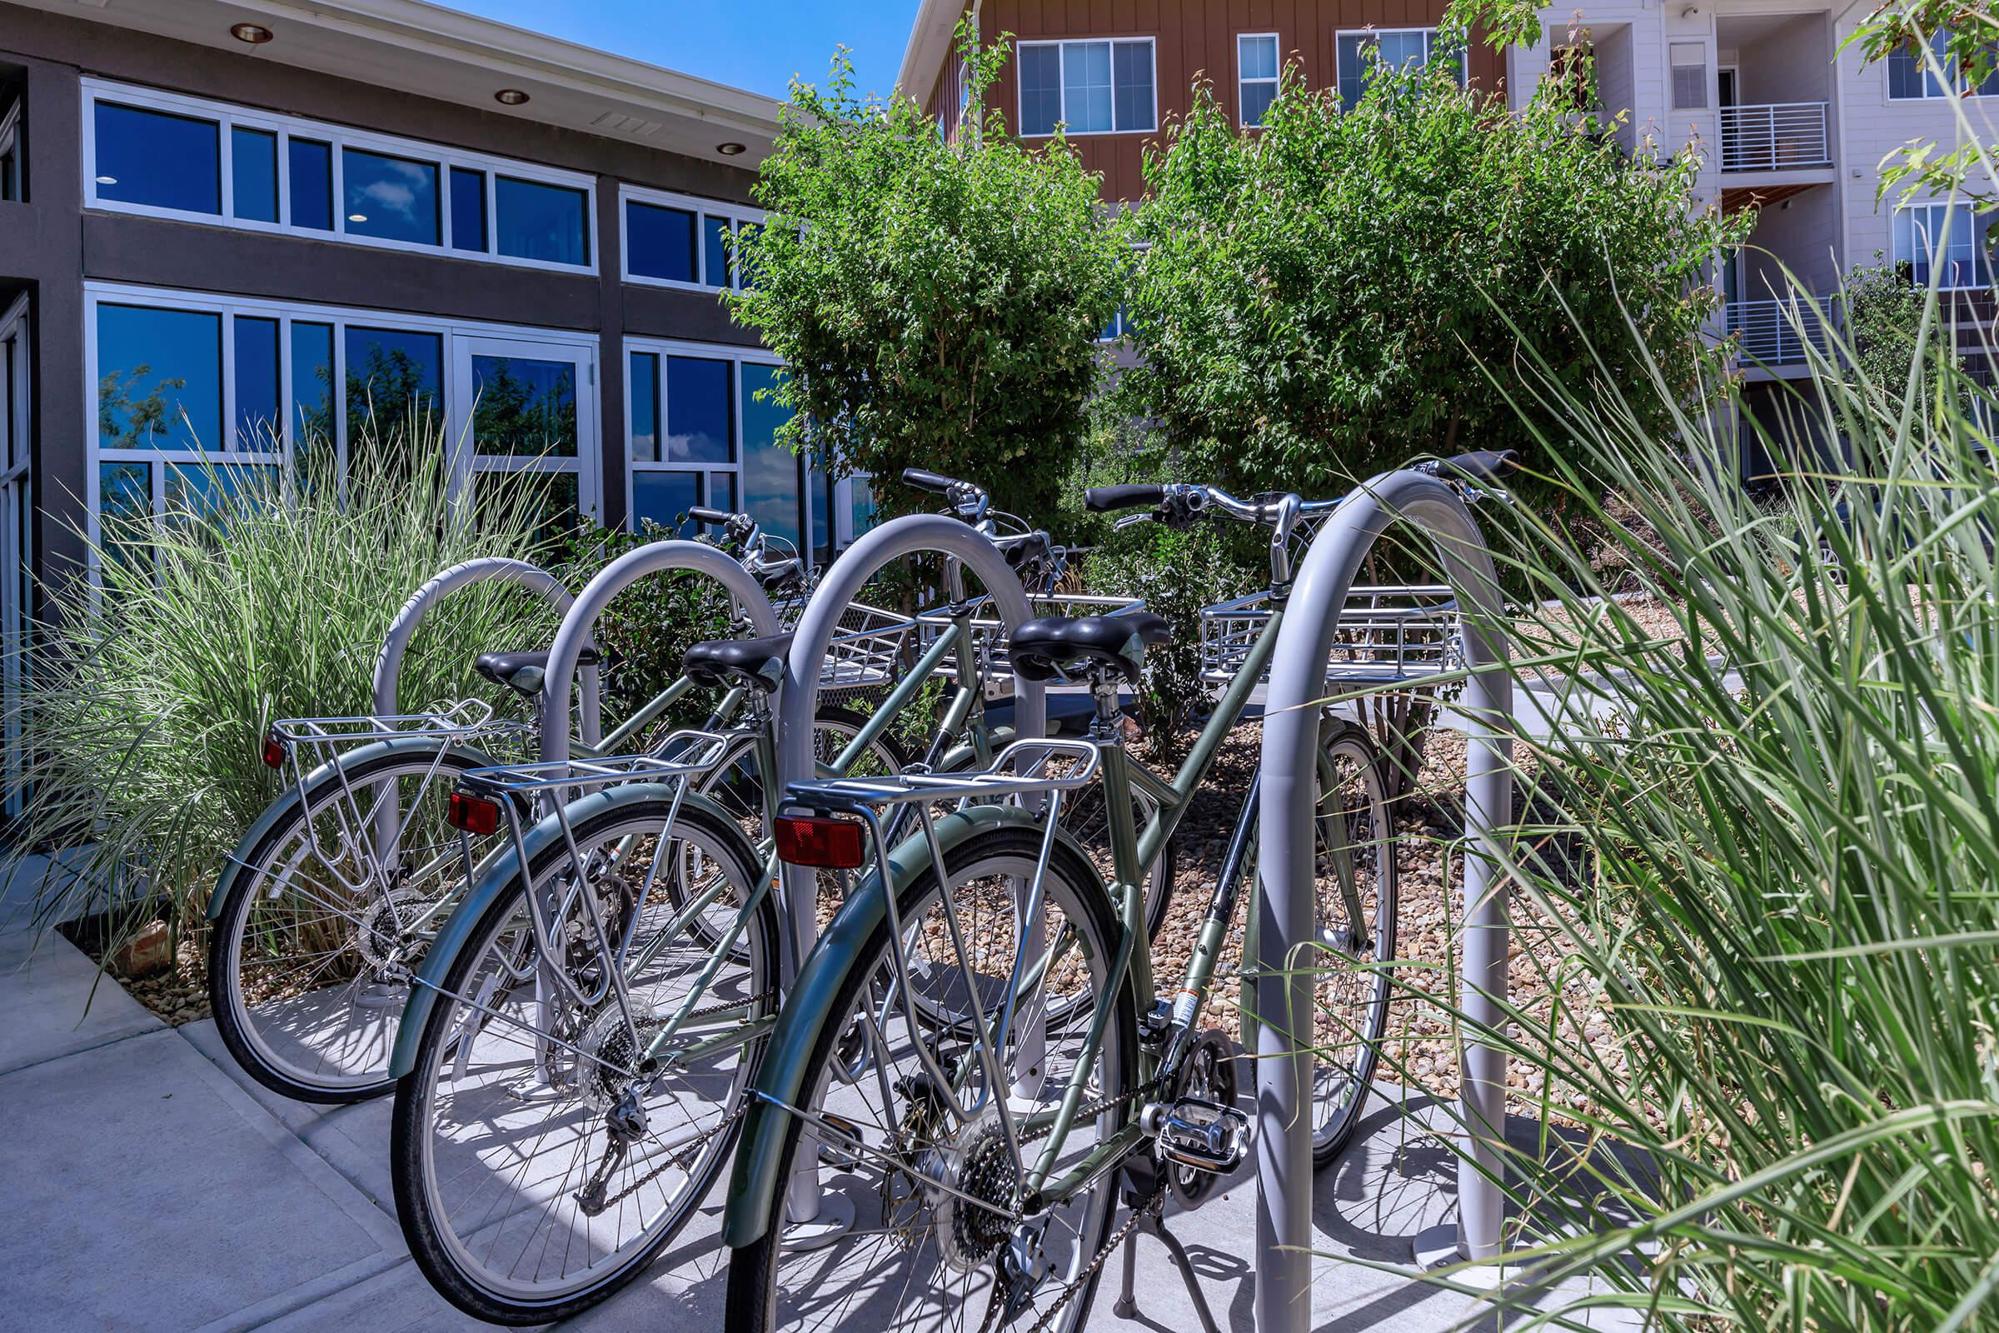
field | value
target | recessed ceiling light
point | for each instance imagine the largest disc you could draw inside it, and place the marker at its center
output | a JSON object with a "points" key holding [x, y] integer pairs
{"points": [[730, 149], [357, 217], [256, 34], [107, 180], [510, 97]]}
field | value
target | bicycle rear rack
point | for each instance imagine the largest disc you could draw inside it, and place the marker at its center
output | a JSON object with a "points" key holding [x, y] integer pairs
{"points": [[683, 754], [1023, 768]]}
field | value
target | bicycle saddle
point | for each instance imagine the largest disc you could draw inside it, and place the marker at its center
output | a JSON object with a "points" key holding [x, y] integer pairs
{"points": [[1047, 648], [523, 671], [758, 662]]}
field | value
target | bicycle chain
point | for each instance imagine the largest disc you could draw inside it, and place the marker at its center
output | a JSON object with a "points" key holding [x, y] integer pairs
{"points": [[997, 1307]]}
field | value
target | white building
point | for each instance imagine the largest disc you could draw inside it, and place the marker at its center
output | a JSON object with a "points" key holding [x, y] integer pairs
{"points": [[1793, 123]]}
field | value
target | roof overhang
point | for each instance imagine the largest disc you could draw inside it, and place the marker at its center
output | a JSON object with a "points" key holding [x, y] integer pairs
{"points": [[929, 44], [426, 49]]}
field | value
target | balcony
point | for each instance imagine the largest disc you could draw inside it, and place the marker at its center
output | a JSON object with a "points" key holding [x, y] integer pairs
{"points": [[1779, 332], [1774, 136]]}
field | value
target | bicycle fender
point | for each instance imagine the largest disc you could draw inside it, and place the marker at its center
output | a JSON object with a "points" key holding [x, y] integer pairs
{"points": [[288, 803], [809, 1006], [503, 877]]}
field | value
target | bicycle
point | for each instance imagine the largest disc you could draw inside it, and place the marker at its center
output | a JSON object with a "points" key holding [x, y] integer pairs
{"points": [[334, 894], [580, 1040], [983, 1155]]}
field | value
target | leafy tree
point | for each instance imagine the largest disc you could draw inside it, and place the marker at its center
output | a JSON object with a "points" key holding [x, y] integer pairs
{"points": [[1326, 297], [936, 297]]}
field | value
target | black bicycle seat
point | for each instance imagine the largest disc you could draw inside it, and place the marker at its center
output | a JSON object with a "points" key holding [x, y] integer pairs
{"points": [[1048, 648], [523, 671], [757, 662]]}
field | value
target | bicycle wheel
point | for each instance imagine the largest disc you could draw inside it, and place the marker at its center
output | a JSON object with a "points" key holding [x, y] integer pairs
{"points": [[309, 960], [928, 1163], [1353, 938], [541, 1156]]}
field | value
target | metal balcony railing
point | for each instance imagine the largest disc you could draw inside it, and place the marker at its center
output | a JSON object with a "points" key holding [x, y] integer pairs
{"points": [[1775, 136], [1777, 332]]}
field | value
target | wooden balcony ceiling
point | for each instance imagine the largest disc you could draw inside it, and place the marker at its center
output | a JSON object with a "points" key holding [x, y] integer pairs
{"points": [[1735, 199]]}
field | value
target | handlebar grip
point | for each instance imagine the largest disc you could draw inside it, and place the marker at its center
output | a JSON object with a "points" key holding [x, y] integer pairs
{"points": [[1103, 499], [715, 518], [1485, 467], [934, 482]]}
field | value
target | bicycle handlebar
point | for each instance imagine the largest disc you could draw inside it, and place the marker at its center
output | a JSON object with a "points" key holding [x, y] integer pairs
{"points": [[1103, 499], [934, 482], [714, 518]]}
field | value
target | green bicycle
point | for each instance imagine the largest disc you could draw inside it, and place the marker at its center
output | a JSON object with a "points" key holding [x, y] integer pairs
{"points": [[973, 1057]]}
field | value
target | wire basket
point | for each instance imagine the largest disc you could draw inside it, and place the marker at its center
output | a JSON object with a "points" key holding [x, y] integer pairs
{"points": [[1387, 636]]}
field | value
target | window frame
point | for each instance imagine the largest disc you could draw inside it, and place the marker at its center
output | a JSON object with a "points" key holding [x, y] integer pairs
{"points": [[228, 118], [13, 177], [1431, 33], [454, 403], [1275, 81], [1959, 88], [736, 215], [1961, 215], [839, 496], [1062, 85]]}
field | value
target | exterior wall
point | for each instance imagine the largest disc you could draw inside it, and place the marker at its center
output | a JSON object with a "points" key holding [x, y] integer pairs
{"points": [[1874, 126], [1195, 41], [51, 244]]}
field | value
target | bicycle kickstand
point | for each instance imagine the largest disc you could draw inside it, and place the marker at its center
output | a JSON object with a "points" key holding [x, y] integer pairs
{"points": [[1152, 1221]]}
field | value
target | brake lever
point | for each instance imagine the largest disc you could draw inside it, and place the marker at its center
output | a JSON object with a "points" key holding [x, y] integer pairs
{"points": [[1131, 520]]}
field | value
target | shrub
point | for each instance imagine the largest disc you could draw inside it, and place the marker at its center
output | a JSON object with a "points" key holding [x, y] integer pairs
{"points": [[1790, 923], [255, 597], [936, 300], [1315, 301]]}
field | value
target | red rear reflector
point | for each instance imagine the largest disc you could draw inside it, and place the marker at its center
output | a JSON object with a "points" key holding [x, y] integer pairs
{"points": [[275, 749], [473, 814], [815, 840]]}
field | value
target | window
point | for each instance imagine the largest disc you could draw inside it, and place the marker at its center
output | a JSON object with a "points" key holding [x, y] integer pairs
{"points": [[12, 187], [1689, 64], [156, 159], [166, 155], [185, 380], [17, 512], [1256, 75], [468, 209], [394, 198], [550, 223], [700, 434], [1947, 244], [1912, 77], [1089, 87], [673, 240], [1392, 48]]}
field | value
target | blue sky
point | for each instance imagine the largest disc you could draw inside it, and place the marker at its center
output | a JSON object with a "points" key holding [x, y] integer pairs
{"points": [[754, 44]]}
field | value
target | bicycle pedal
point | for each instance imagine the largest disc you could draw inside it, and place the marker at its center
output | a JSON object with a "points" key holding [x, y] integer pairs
{"points": [[1199, 1135], [840, 1142]]}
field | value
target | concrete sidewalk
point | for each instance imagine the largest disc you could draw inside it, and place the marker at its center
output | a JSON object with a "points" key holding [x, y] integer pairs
{"points": [[151, 1185]]}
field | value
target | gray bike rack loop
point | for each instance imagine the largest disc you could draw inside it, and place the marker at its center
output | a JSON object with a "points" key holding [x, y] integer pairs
{"points": [[627, 569], [389, 663], [799, 702], [1290, 735]]}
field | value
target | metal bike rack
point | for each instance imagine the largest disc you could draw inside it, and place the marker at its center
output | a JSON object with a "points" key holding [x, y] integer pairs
{"points": [[1290, 733], [389, 663], [798, 703], [581, 618]]}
